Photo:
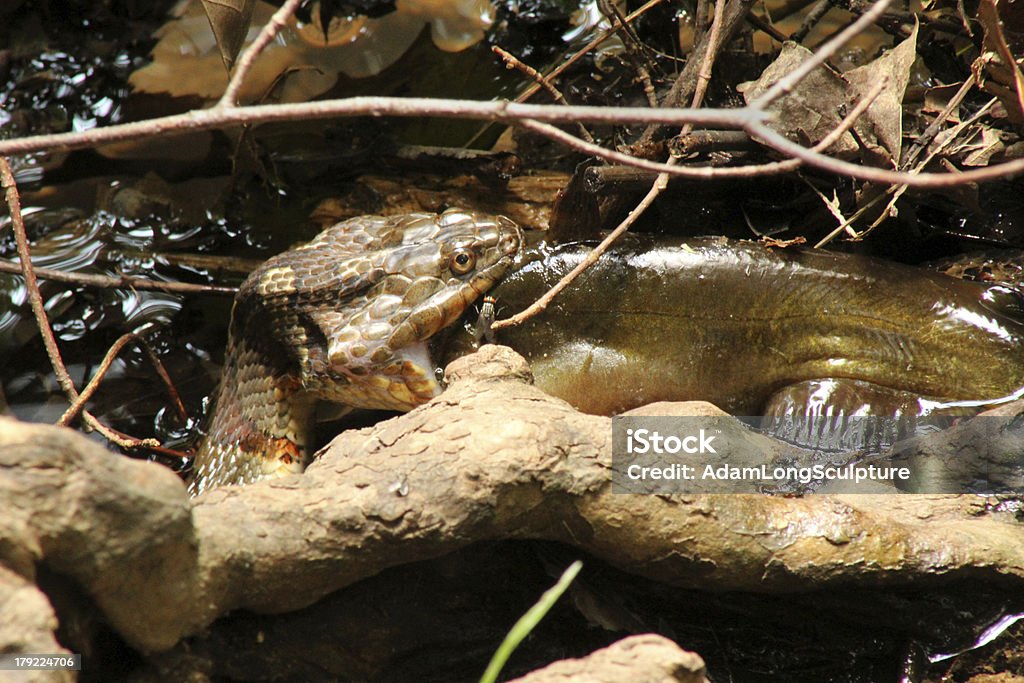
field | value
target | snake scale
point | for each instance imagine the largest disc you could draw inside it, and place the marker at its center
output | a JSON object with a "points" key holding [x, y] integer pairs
{"points": [[758, 331], [343, 319]]}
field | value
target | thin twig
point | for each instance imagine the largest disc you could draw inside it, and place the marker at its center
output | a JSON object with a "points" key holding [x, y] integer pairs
{"points": [[833, 209], [707, 64], [544, 301], [585, 50], [820, 56], [126, 441], [76, 407], [248, 57], [814, 15], [766, 28], [39, 310], [648, 83], [706, 172], [506, 112], [513, 62], [750, 119], [922, 140], [121, 282], [851, 118], [844, 168], [31, 284], [657, 187], [165, 377]]}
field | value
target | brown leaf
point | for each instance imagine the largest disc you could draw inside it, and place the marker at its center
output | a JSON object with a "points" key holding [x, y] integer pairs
{"points": [[817, 104], [1005, 70], [229, 20], [982, 148], [936, 100], [812, 109], [886, 112]]}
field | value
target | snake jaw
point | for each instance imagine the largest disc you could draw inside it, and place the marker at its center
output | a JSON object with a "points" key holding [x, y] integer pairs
{"points": [[346, 319], [377, 356]]}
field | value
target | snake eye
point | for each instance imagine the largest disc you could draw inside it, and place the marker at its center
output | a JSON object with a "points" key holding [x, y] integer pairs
{"points": [[462, 261]]}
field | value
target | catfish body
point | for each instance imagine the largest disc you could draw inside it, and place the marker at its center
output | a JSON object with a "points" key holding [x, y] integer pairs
{"points": [[761, 331]]}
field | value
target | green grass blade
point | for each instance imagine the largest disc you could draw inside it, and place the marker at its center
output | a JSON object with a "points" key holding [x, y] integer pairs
{"points": [[528, 622]]}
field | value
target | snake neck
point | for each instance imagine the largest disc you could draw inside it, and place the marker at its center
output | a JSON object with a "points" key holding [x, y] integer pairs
{"points": [[261, 422], [344, 318]]}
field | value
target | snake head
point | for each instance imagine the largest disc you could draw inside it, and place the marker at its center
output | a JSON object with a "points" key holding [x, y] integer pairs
{"points": [[356, 306]]}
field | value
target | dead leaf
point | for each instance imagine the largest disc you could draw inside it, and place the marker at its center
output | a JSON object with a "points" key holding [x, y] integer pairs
{"points": [[230, 21], [886, 112], [982, 148], [938, 98], [817, 104], [813, 108], [1002, 67]]}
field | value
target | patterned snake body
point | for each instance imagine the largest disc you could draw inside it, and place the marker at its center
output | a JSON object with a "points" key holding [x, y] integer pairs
{"points": [[345, 319]]}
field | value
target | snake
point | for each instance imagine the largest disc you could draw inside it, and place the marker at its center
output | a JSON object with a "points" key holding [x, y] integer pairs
{"points": [[791, 333], [344, 319]]}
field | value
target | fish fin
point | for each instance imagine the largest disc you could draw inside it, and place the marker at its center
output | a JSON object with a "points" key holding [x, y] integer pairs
{"points": [[838, 414]]}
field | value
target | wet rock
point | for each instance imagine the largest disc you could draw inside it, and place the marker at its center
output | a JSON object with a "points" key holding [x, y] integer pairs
{"points": [[648, 658], [120, 528], [28, 625]]}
